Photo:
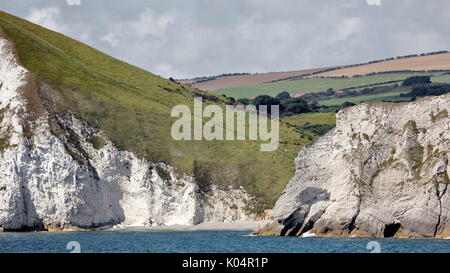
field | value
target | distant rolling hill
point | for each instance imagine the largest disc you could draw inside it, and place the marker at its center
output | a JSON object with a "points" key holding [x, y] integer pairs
{"points": [[412, 63], [421, 63], [357, 76], [251, 79]]}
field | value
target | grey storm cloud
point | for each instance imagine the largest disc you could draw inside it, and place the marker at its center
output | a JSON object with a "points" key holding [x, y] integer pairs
{"points": [[187, 38]]}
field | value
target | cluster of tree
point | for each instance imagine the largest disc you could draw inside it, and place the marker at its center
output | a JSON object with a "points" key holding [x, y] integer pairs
{"points": [[418, 85], [349, 92], [434, 53], [347, 104], [407, 56], [399, 57], [384, 72], [318, 96], [423, 90], [415, 80], [283, 95], [423, 54], [383, 60], [205, 79], [210, 78], [299, 77], [288, 106], [232, 74], [372, 88], [422, 86]]}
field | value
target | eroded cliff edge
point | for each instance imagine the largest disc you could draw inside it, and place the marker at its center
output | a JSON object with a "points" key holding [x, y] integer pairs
{"points": [[56, 172], [382, 172]]}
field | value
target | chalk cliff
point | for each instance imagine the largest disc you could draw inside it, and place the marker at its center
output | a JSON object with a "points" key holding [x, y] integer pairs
{"points": [[54, 176], [382, 172]]}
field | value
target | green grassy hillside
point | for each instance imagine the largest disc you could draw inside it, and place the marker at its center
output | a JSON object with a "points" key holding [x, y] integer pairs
{"points": [[327, 118], [132, 107]]}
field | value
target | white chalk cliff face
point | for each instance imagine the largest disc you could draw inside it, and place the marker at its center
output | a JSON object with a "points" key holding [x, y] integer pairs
{"points": [[48, 182], [383, 171]]}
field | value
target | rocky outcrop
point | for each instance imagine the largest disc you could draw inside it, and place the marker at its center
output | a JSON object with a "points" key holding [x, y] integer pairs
{"points": [[56, 172], [383, 171]]}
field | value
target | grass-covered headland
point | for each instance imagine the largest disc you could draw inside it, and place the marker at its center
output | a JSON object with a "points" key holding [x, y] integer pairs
{"points": [[133, 107]]}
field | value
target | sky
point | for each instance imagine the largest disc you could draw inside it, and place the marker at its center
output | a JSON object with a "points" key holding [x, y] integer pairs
{"points": [[190, 38]]}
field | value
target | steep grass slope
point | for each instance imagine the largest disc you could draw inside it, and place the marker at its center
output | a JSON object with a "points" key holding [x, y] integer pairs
{"points": [[132, 107]]}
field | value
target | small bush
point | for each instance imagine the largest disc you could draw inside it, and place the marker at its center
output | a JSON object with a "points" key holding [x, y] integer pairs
{"points": [[165, 175]]}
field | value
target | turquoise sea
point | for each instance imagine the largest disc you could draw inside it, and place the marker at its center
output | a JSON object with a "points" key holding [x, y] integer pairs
{"points": [[205, 242]]}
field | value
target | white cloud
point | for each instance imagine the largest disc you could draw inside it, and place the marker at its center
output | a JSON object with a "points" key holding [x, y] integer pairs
{"points": [[111, 38], [46, 17], [148, 25], [54, 18], [168, 70], [347, 27], [152, 24], [179, 39]]}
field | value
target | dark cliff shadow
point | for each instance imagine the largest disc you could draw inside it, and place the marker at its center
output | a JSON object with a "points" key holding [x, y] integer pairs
{"points": [[306, 199]]}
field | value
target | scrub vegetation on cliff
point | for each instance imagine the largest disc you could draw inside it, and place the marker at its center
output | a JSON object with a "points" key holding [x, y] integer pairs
{"points": [[3, 132]]}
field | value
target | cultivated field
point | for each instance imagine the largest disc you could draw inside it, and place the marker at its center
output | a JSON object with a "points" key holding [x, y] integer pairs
{"points": [[245, 80], [422, 63], [445, 78], [365, 98], [312, 85], [425, 63]]}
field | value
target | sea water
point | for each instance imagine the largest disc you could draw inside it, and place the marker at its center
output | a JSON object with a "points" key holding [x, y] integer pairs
{"points": [[207, 241]]}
